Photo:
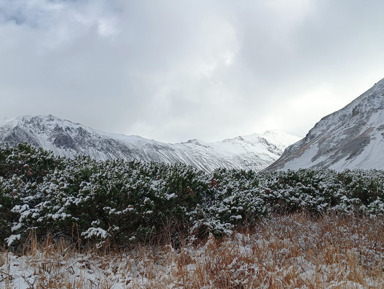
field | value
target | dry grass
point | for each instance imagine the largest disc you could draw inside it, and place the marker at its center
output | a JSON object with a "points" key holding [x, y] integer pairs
{"points": [[294, 251]]}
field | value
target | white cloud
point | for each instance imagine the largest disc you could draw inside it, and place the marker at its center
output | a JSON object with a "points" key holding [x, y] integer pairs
{"points": [[173, 70]]}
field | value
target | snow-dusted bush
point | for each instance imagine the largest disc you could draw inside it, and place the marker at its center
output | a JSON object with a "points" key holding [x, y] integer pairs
{"points": [[125, 202], [235, 199], [93, 200]]}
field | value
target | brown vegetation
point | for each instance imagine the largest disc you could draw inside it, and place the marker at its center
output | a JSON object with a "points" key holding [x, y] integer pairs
{"points": [[293, 251]]}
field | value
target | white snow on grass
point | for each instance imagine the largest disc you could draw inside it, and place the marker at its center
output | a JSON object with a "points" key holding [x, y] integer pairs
{"points": [[294, 251]]}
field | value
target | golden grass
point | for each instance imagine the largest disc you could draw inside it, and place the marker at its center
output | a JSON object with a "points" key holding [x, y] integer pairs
{"points": [[293, 251]]}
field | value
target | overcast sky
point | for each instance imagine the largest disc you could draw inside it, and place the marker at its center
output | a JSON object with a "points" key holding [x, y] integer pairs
{"points": [[173, 70]]}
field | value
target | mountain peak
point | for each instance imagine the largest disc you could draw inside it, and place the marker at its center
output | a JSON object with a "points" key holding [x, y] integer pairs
{"points": [[66, 138], [350, 138]]}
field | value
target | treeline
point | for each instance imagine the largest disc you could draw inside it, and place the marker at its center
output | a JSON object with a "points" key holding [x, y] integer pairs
{"points": [[124, 203]]}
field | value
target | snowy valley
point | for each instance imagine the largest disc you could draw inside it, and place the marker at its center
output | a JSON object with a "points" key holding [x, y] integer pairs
{"points": [[89, 209]]}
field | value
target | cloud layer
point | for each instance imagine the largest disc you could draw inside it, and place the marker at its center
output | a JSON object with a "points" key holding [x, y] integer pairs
{"points": [[173, 70]]}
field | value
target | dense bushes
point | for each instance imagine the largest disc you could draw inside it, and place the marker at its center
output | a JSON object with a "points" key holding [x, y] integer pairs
{"points": [[84, 200]]}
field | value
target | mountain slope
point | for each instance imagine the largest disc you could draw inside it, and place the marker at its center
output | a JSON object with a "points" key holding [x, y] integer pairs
{"points": [[66, 138], [351, 138]]}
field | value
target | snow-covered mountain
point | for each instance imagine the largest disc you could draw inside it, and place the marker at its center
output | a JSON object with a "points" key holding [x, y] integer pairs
{"points": [[66, 138], [351, 138]]}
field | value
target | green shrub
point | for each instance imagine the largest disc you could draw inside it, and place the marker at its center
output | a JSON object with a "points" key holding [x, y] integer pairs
{"points": [[122, 203]]}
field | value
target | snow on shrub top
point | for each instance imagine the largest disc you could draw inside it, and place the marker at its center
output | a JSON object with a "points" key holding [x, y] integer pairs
{"points": [[127, 202]]}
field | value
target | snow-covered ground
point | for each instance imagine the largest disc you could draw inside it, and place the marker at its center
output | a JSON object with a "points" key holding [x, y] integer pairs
{"points": [[294, 251]]}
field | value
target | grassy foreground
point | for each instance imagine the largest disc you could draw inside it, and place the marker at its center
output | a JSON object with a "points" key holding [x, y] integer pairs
{"points": [[285, 251]]}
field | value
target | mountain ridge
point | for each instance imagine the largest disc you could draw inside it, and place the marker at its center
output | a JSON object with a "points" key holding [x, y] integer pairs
{"points": [[66, 138], [349, 138]]}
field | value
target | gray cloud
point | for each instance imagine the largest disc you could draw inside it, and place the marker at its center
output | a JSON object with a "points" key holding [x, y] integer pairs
{"points": [[174, 70]]}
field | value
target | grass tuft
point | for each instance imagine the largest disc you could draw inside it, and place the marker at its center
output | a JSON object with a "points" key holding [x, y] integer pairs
{"points": [[292, 251]]}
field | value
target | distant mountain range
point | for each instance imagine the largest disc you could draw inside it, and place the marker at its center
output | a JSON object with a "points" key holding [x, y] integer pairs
{"points": [[65, 138], [351, 138]]}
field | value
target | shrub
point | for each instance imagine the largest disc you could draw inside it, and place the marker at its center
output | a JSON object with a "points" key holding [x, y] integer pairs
{"points": [[121, 203]]}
